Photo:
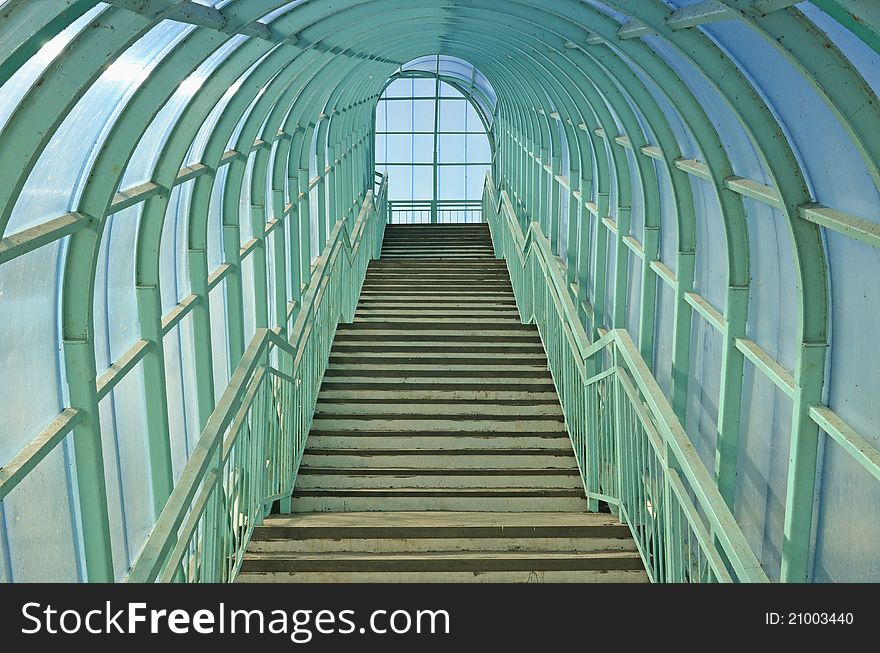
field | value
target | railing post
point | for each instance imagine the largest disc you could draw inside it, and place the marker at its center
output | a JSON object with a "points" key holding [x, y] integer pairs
{"points": [[672, 539], [591, 449], [620, 442]]}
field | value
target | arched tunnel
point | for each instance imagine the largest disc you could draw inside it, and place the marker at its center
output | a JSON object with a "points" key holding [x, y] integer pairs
{"points": [[682, 196]]}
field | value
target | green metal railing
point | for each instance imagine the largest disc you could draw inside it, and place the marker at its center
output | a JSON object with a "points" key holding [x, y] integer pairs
{"points": [[631, 449], [248, 455], [422, 211]]}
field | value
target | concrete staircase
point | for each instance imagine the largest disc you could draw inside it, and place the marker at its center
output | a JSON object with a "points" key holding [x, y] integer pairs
{"points": [[438, 450]]}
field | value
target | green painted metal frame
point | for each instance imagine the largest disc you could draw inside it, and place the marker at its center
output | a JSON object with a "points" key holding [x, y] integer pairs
{"points": [[249, 452], [632, 451], [467, 96]]}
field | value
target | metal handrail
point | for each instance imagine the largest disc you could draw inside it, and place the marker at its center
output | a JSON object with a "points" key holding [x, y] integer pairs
{"points": [[632, 451], [249, 451]]}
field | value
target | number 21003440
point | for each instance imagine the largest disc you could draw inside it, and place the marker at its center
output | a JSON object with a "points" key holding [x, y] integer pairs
{"points": [[808, 618]]}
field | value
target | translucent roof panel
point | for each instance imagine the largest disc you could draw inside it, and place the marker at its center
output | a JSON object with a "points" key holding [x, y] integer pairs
{"points": [[471, 80]]}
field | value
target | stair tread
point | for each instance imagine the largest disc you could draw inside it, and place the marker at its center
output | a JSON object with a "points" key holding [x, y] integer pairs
{"points": [[323, 451], [442, 491], [393, 519], [446, 555], [428, 471]]}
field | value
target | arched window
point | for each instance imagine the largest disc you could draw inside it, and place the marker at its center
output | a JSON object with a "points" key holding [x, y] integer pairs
{"points": [[433, 138]]}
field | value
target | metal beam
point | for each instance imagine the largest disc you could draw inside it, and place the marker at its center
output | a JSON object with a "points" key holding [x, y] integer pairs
{"points": [[700, 13], [28, 240]]}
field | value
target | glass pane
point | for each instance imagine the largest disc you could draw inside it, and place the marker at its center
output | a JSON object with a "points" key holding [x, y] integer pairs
{"points": [[173, 261], [400, 182], [127, 473], [219, 344], [117, 324], [424, 87], [21, 80], [478, 150], [453, 115], [381, 148], [451, 184], [447, 90], [30, 367], [215, 228], [180, 385], [245, 227], [423, 115], [472, 118], [452, 148], [140, 169], [398, 116], [423, 182], [400, 88], [418, 148], [36, 523], [248, 295], [61, 172], [475, 179]]}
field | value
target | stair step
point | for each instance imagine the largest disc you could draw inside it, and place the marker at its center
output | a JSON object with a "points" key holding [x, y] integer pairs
{"points": [[417, 290], [600, 576], [458, 410], [492, 499], [439, 235], [405, 336], [461, 324], [461, 260], [421, 316], [505, 542], [364, 383], [404, 358], [447, 371], [440, 424], [444, 287], [460, 238], [402, 267], [438, 228], [477, 397], [417, 273], [457, 255], [435, 252], [438, 302], [444, 457], [335, 478], [434, 245], [422, 444], [428, 347], [419, 520], [447, 524], [472, 561]]}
